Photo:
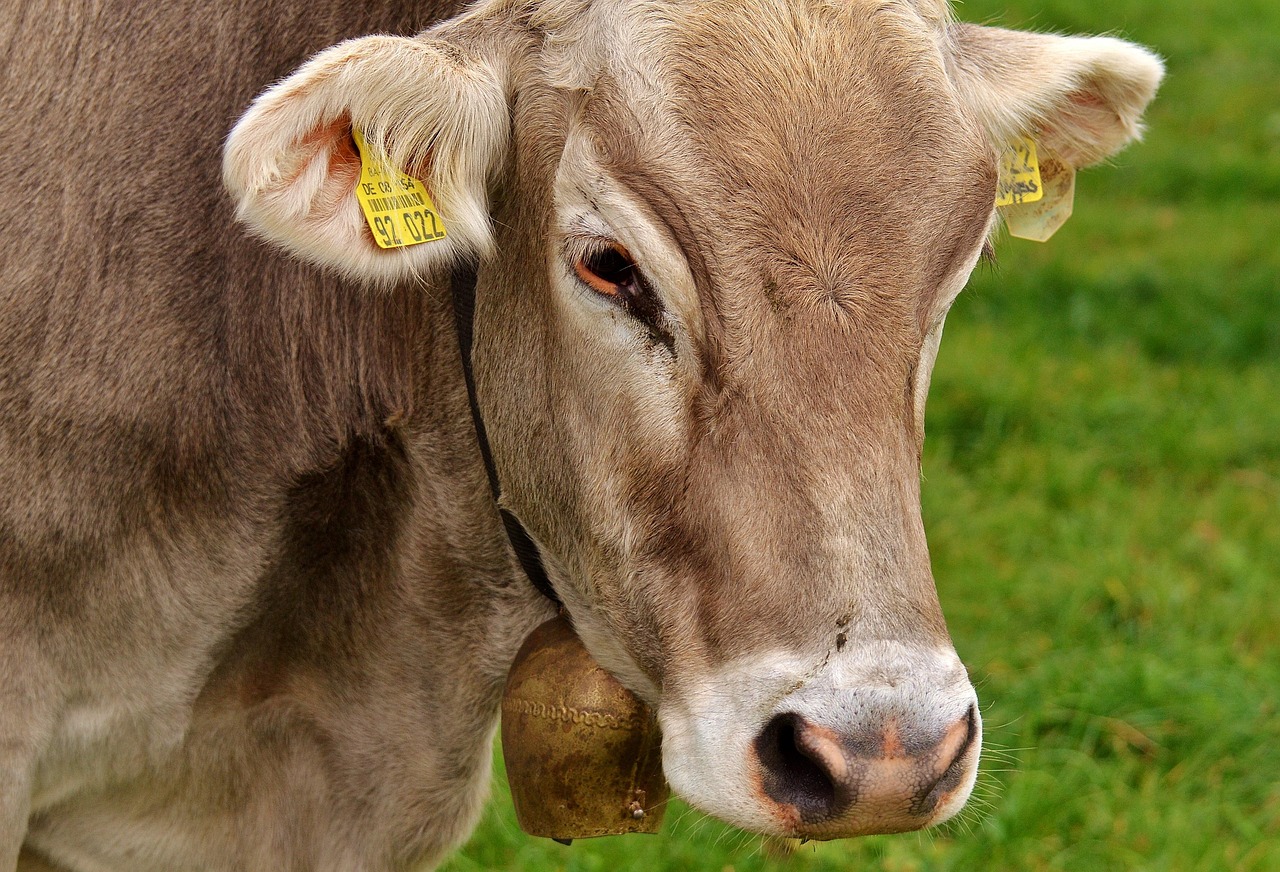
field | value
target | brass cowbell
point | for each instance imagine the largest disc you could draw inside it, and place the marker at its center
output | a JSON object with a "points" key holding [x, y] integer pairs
{"points": [[583, 754]]}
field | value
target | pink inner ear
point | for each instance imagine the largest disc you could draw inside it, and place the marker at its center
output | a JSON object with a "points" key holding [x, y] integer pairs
{"points": [[344, 160], [1086, 101], [332, 144], [1085, 129]]}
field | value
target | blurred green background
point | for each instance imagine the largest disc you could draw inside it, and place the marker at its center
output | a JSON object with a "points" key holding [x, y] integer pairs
{"points": [[1102, 496]]}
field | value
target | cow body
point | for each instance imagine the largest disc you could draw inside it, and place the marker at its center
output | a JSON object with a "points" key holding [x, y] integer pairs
{"points": [[238, 497], [256, 602]]}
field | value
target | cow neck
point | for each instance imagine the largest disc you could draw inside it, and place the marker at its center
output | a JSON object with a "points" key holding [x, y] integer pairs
{"points": [[463, 285]]}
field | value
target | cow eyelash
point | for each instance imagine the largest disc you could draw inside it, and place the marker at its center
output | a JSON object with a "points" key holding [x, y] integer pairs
{"points": [[607, 268]]}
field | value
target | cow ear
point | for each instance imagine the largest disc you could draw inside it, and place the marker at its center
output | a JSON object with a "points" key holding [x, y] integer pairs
{"points": [[1080, 97], [292, 166]]}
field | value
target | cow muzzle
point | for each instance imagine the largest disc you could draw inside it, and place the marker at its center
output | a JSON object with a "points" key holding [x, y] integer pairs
{"points": [[822, 781], [882, 740]]}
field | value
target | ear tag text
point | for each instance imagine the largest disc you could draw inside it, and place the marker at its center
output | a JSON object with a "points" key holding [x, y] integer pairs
{"points": [[1019, 174], [1035, 193], [396, 205]]}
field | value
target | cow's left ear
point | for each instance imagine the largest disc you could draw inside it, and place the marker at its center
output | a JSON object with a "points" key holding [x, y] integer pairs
{"points": [[428, 107], [1081, 97]]}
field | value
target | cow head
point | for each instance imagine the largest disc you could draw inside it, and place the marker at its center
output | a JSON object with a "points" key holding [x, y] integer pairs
{"points": [[716, 244]]}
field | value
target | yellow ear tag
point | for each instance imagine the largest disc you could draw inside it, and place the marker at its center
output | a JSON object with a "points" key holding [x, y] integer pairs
{"points": [[1036, 192], [396, 205], [1019, 174]]}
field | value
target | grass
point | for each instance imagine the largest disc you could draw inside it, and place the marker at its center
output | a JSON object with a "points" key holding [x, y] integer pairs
{"points": [[1102, 495]]}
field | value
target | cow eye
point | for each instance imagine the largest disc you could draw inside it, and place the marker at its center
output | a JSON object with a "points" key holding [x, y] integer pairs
{"points": [[608, 270]]}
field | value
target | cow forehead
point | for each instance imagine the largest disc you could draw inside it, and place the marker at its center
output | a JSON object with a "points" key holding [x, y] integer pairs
{"points": [[808, 157]]}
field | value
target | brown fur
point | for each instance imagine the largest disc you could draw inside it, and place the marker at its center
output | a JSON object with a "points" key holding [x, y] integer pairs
{"points": [[221, 477], [785, 218]]}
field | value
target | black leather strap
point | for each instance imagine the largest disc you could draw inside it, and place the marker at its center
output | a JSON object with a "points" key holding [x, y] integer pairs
{"points": [[464, 309]]}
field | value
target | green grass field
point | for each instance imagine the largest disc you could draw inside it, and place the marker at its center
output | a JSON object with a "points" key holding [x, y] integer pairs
{"points": [[1102, 495]]}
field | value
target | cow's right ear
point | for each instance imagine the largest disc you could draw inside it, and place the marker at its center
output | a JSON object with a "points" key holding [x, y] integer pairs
{"points": [[292, 165], [1082, 97]]}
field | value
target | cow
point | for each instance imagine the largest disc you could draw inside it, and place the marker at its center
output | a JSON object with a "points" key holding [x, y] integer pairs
{"points": [[257, 598]]}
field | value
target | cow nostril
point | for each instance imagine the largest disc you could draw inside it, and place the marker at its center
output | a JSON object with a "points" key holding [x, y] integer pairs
{"points": [[961, 737], [968, 729], [801, 767]]}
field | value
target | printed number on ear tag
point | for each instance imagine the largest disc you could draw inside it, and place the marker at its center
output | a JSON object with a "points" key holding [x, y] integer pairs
{"points": [[396, 205]]}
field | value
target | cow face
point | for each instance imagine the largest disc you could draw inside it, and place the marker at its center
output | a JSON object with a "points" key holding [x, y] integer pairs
{"points": [[716, 244]]}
